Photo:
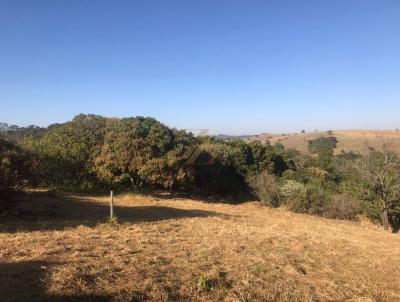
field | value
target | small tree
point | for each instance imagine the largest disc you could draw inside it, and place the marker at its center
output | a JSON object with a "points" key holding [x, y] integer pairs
{"points": [[381, 172]]}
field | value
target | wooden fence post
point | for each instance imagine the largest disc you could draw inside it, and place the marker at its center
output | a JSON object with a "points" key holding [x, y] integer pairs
{"points": [[111, 206]]}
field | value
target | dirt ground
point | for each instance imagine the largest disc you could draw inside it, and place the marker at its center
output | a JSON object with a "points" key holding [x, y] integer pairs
{"points": [[174, 249]]}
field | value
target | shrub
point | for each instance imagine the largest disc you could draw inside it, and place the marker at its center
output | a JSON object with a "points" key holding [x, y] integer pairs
{"points": [[265, 187], [294, 195], [12, 169], [203, 283], [293, 189], [299, 198], [317, 197], [341, 207]]}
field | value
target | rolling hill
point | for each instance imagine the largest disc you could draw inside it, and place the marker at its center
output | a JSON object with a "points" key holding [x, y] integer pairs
{"points": [[348, 140]]}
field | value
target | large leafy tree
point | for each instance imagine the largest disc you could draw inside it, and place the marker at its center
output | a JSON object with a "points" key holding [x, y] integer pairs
{"points": [[67, 151], [142, 151]]}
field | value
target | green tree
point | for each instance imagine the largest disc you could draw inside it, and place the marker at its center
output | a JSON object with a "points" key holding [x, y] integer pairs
{"points": [[67, 151], [141, 151]]}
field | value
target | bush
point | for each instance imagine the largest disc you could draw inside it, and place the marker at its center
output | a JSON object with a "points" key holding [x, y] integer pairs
{"points": [[342, 207], [265, 187], [299, 198], [294, 196], [317, 198], [12, 169], [293, 190]]}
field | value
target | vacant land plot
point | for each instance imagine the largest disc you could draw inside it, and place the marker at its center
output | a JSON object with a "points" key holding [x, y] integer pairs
{"points": [[170, 249]]}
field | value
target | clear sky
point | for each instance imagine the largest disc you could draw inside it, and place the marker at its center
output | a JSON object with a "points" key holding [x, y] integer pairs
{"points": [[227, 65]]}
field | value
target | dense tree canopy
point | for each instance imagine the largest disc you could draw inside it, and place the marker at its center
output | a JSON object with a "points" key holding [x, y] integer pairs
{"points": [[141, 151], [92, 152], [14, 168]]}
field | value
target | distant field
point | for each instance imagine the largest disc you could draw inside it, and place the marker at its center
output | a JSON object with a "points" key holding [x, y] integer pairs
{"points": [[348, 140], [168, 249]]}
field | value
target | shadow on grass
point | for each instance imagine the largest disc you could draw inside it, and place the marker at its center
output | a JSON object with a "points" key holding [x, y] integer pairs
{"points": [[68, 211], [395, 225], [27, 281], [213, 199]]}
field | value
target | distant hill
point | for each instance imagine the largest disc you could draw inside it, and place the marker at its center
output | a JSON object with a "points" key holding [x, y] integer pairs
{"points": [[15, 133], [348, 140], [227, 137]]}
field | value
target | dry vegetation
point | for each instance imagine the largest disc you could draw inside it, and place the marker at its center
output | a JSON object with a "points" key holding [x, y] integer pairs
{"points": [[348, 140], [178, 249]]}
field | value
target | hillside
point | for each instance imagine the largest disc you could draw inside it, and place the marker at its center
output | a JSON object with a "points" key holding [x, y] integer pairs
{"points": [[171, 249], [348, 140]]}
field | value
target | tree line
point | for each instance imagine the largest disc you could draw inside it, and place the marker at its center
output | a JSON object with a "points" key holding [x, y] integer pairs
{"points": [[95, 153]]}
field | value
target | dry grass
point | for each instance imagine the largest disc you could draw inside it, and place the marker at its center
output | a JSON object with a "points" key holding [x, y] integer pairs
{"points": [[348, 140], [177, 249]]}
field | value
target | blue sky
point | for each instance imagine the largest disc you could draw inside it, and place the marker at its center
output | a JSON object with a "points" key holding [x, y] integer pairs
{"points": [[227, 65]]}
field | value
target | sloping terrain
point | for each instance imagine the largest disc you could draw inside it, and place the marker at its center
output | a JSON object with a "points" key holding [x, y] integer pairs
{"points": [[171, 249], [348, 140]]}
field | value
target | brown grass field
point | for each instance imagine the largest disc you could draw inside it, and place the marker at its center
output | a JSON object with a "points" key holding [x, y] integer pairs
{"points": [[175, 249], [348, 140]]}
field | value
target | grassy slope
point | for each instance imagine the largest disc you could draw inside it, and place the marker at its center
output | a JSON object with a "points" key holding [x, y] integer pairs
{"points": [[161, 247], [348, 140]]}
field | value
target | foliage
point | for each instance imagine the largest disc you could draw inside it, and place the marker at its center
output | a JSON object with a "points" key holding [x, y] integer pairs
{"points": [[324, 147], [141, 151], [203, 283], [234, 162], [13, 168], [322, 144], [317, 198], [342, 207], [67, 152], [293, 189], [295, 196], [226, 174], [345, 166], [15, 134], [92, 152], [265, 187]]}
